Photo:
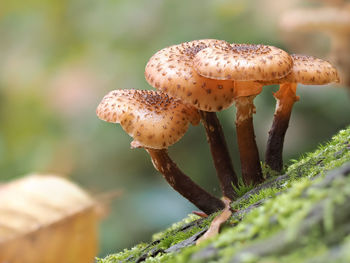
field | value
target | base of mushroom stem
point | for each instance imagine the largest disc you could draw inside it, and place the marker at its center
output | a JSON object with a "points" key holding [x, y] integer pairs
{"points": [[182, 183], [274, 149], [200, 213]]}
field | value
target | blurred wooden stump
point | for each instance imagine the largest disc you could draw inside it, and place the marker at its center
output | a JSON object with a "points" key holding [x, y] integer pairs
{"points": [[46, 219]]}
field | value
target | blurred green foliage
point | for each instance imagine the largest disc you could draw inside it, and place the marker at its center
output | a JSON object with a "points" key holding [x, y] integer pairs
{"points": [[57, 60]]}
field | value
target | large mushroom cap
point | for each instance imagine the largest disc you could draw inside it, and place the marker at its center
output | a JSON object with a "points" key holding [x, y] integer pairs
{"points": [[308, 70], [170, 70], [242, 62], [329, 19], [152, 118]]}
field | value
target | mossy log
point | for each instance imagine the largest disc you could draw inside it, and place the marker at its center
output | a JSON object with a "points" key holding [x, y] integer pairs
{"points": [[286, 241], [301, 216]]}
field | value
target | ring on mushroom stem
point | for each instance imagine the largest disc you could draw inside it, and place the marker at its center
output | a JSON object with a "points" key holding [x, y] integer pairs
{"points": [[156, 121], [306, 70], [248, 150], [170, 70], [244, 64]]}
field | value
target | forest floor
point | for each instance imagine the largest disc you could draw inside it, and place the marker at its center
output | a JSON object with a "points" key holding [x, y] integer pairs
{"points": [[300, 216]]}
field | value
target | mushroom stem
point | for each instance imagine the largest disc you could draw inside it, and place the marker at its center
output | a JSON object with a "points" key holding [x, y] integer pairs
{"points": [[182, 183], [286, 97], [248, 150], [219, 151]]}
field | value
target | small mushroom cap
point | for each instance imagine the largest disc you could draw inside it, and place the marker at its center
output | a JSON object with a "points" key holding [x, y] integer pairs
{"points": [[152, 118], [308, 70], [330, 19], [170, 70], [242, 62]]}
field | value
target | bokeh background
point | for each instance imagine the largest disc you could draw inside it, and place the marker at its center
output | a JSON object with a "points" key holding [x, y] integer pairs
{"points": [[59, 57]]}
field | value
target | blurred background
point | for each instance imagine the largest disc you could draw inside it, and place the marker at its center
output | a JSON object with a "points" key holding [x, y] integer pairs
{"points": [[58, 58]]}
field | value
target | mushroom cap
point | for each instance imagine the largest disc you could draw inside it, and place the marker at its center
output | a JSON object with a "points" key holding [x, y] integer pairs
{"points": [[308, 70], [170, 70], [242, 62], [329, 19], [152, 118]]}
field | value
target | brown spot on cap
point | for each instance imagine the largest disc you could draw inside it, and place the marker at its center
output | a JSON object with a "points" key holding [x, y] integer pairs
{"points": [[186, 84], [308, 70], [143, 114], [242, 62]]}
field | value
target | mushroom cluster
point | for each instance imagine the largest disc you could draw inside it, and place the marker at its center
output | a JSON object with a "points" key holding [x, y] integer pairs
{"points": [[196, 79]]}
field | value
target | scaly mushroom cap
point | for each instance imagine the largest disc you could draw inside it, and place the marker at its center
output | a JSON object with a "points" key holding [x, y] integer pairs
{"points": [[152, 118], [308, 70], [170, 70], [329, 19], [242, 62]]}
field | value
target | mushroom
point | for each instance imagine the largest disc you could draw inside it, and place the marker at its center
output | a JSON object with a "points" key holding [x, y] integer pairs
{"points": [[170, 70], [245, 64], [335, 22], [306, 70], [156, 121]]}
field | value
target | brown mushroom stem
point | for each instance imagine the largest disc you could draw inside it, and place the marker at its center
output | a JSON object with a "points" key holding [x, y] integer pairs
{"points": [[182, 183], [286, 98], [219, 151], [248, 150]]}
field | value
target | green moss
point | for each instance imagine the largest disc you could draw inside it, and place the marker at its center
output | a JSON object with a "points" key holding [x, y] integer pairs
{"points": [[329, 156], [241, 189], [285, 207], [176, 233], [263, 194], [171, 240], [284, 212], [175, 227], [124, 255]]}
